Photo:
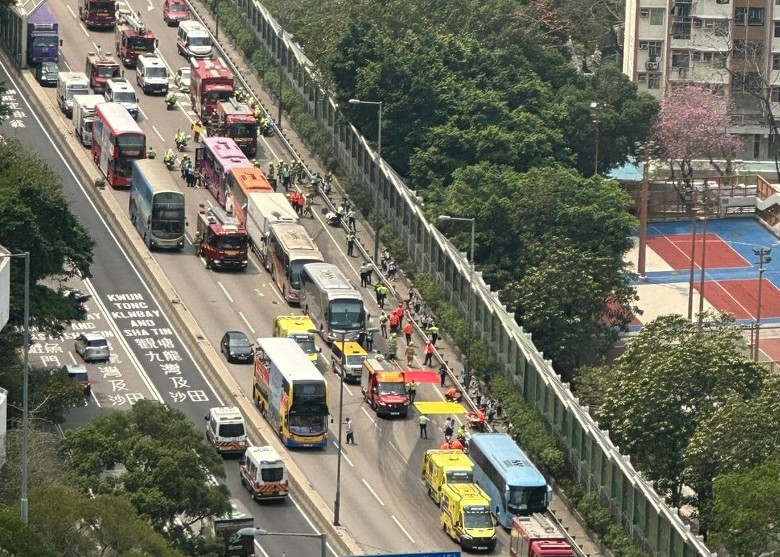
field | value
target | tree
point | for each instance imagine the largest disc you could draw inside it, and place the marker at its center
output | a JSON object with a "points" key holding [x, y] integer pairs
{"points": [[670, 379], [693, 124], [154, 456], [51, 393], [745, 511], [20, 540]]}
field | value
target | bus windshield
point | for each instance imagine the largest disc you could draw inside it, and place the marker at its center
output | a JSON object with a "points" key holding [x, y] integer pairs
{"points": [[296, 267], [477, 517], [130, 145], [307, 425], [346, 314], [44, 42], [525, 499], [168, 220]]}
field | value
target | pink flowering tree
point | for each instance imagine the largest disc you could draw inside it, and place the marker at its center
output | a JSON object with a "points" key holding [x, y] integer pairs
{"points": [[693, 124]]}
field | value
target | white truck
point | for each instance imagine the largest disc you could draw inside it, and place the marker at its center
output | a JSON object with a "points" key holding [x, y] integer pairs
{"points": [[263, 210], [70, 84], [226, 430], [84, 116], [151, 74]]}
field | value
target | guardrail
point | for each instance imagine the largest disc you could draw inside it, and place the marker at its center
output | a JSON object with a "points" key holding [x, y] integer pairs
{"points": [[596, 462]]}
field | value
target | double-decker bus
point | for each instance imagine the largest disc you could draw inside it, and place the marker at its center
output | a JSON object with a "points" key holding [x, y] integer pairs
{"points": [[515, 485], [334, 305], [241, 182], [117, 141], [287, 250], [156, 206], [213, 161], [290, 392]]}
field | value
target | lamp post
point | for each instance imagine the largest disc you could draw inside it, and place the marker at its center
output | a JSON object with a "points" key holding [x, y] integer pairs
{"points": [[473, 222], [25, 377], [691, 277], [595, 108], [379, 163], [645, 150], [254, 532], [337, 501], [763, 258], [703, 270]]}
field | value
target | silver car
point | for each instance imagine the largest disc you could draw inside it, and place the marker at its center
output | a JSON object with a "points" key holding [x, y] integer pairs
{"points": [[92, 347]]}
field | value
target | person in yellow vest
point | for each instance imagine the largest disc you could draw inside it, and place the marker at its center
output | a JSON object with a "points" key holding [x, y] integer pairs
{"points": [[197, 129]]}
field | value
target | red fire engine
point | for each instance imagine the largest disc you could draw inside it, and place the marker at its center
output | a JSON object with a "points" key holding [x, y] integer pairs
{"points": [[133, 38], [98, 14], [210, 81], [100, 68], [237, 121], [221, 240]]}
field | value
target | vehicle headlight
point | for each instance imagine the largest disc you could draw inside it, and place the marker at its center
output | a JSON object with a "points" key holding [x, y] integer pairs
{"points": [[466, 537]]}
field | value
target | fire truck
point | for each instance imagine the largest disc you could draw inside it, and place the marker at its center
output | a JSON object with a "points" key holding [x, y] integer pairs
{"points": [[221, 240], [133, 38], [98, 14], [237, 121], [100, 68], [210, 82]]}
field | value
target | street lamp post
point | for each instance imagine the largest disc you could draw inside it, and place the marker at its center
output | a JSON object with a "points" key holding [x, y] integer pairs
{"points": [[646, 151], [281, 50], [703, 270], [473, 222], [379, 163], [693, 268], [763, 258], [595, 108], [322, 536], [25, 377]]}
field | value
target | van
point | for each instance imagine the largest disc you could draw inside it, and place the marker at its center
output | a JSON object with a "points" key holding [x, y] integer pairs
{"points": [[226, 430], [193, 40], [263, 473], [151, 75], [465, 516], [119, 90], [297, 327], [442, 467], [347, 360], [68, 85]]}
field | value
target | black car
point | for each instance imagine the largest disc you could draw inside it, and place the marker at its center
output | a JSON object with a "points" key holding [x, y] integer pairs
{"points": [[236, 347], [78, 372], [47, 74]]}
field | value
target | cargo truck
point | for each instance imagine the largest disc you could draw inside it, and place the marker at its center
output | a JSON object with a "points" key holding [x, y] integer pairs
{"points": [[537, 536], [84, 116], [43, 43], [226, 528], [211, 81], [443, 467], [70, 84], [297, 327], [465, 516]]}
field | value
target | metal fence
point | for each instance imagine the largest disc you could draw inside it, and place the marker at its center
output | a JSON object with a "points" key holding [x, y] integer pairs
{"points": [[596, 461]]}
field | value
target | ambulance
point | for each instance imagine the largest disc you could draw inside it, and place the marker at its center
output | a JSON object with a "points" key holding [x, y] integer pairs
{"points": [[465, 516], [263, 474], [442, 467], [226, 430]]}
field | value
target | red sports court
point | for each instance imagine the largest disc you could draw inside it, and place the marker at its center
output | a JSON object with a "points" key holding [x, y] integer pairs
{"points": [[676, 251]]}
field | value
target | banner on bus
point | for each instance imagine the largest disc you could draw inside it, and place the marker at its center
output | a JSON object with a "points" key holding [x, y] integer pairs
{"points": [[434, 407]]}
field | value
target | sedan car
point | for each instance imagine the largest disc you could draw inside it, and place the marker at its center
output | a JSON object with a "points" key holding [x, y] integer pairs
{"points": [[78, 372], [92, 347], [182, 80], [236, 347], [175, 11], [47, 74]]}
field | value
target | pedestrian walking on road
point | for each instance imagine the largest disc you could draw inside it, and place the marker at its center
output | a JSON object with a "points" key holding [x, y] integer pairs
{"points": [[383, 324], [411, 390], [408, 330], [381, 293], [410, 353], [351, 218], [442, 374], [424, 421], [350, 429], [351, 244], [428, 361], [433, 330]]}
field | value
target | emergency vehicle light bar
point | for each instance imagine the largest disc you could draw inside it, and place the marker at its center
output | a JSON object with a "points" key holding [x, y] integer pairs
{"points": [[217, 215]]}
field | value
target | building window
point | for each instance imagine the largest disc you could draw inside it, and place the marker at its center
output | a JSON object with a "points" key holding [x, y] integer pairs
{"points": [[777, 29], [681, 58], [748, 50], [656, 16], [722, 1], [719, 60], [775, 94], [654, 81], [754, 16], [721, 28], [776, 61]]}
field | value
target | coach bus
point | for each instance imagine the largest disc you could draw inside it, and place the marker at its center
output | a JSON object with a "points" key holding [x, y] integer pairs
{"points": [[117, 141], [241, 182], [290, 392], [334, 305], [213, 161], [156, 206], [503, 470], [289, 248]]}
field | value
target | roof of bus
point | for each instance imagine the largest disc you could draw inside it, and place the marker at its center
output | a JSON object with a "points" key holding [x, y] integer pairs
{"points": [[328, 276], [505, 454], [251, 179], [157, 177], [294, 238], [297, 366], [117, 118]]}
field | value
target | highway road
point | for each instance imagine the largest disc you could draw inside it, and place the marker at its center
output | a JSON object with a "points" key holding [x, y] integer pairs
{"points": [[383, 502]]}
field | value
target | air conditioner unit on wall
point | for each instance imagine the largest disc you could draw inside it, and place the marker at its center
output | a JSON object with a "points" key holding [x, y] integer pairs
{"points": [[683, 73], [697, 23], [651, 65], [643, 46], [644, 12]]}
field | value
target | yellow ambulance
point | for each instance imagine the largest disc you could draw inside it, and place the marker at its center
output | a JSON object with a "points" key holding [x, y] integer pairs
{"points": [[442, 467], [465, 516]]}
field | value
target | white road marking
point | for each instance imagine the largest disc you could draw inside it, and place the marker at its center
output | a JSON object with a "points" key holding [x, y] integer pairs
{"points": [[142, 113], [347, 459], [225, 291], [158, 134], [311, 524], [247, 322], [260, 292], [84, 29], [411, 539], [373, 493], [369, 416], [151, 6], [72, 12], [399, 452]]}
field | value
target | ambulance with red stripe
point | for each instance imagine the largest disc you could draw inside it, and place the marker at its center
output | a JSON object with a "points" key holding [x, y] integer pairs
{"points": [[226, 430], [263, 473]]}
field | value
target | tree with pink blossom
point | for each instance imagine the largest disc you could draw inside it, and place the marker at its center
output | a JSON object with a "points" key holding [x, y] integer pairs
{"points": [[693, 124]]}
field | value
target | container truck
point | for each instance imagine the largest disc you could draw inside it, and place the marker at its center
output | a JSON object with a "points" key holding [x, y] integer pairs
{"points": [[43, 43]]}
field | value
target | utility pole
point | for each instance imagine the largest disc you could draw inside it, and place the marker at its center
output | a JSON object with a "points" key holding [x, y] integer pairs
{"points": [[763, 258]]}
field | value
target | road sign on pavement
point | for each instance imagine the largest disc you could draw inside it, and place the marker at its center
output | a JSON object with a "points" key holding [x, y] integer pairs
{"points": [[431, 554]]}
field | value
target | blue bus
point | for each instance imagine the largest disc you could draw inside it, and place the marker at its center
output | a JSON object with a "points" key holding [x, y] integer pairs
{"points": [[156, 208], [503, 470]]}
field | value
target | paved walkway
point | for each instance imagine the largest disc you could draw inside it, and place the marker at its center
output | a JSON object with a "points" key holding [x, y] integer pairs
{"points": [[446, 351]]}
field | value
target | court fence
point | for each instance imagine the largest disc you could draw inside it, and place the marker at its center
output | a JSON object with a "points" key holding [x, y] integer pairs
{"points": [[597, 463]]}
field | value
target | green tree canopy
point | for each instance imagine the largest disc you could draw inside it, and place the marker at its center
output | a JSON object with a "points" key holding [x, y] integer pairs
{"points": [[154, 456], [671, 378]]}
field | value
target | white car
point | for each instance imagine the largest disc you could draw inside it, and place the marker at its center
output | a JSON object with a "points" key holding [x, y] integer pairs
{"points": [[92, 347], [182, 79]]}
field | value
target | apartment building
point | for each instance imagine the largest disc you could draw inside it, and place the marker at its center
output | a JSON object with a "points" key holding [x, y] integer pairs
{"points": [[729, 46]]}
